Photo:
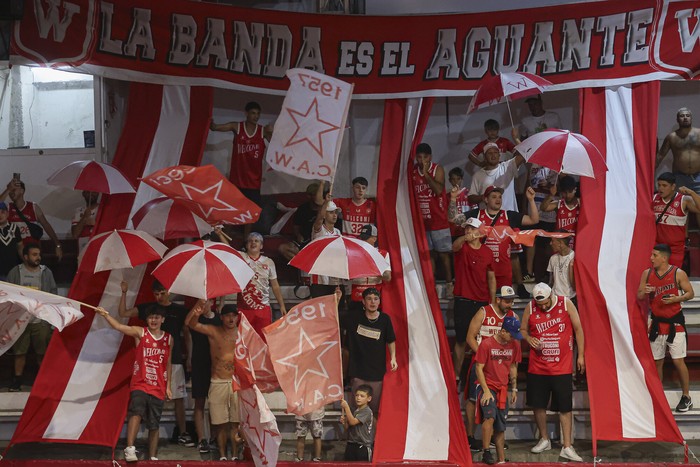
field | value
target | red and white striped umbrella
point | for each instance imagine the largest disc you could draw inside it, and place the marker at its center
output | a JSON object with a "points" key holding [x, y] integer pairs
{"points": [[506, 87], [563, 151], [204, 269], [120, 249], [91, 176], [343, 257], [166, 219]]}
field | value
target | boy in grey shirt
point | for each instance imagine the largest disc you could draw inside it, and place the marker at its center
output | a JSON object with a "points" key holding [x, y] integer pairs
{"points": [[360, 425]]}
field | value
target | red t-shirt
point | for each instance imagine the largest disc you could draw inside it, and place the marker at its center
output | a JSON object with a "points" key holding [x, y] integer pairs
{"points": [[433, 207], [497, 359], [553, 329], [150, 373], [504, 145], [356, 216], [471, 267], [666, 284], [247, 158], [500, 248]]}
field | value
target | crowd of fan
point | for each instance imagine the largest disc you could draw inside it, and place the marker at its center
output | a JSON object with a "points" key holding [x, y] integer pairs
{"points": [[483, 277]]}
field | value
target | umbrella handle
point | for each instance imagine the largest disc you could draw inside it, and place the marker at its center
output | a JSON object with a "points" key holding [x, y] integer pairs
{"points": [[510, 114]]}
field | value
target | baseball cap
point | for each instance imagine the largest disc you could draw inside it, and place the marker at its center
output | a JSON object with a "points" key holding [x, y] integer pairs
{"points": [[488, 146], [506, 292], [538, 97], [512, 325], [492, 188], [541, 292], [3, 206], [367, 231], [332, 206], [472, 222]]}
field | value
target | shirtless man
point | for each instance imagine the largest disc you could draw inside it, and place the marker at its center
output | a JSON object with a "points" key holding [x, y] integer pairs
{"points": [[684, 144], [223, 401]]}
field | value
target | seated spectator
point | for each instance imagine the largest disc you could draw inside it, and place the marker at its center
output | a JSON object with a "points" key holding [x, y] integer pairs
{"points": [[84, 219], [360, 425], [491, 128], [10, 243], [368, 233], [568, 207], [459, 195], [31, 273], [358, 211]]}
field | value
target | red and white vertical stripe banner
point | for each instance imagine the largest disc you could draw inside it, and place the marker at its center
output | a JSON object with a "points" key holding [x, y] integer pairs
{"points": [[421, 420], [615, 236], [81, 393]]}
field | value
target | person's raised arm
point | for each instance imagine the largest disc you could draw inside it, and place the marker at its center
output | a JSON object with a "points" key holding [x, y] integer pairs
{"points": [[321, 214], [578, 332], [267, 131], [230, 126], [192, 320], [474, 328], [132, 331], [533, 215], [549, 204], [692, 203], [123, 311], [49, 230], [350, 418], [437, 183]]}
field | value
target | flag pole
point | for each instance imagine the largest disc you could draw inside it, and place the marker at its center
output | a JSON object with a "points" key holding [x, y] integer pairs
{"points": [[340, 140]]}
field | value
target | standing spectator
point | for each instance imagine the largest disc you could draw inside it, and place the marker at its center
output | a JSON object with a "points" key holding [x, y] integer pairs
{"points": [[538, 120], [150, 380], [368, 233], [254, 300], [357, 211], [223, 400], [200, 368], [666, 287], [494, 216], [459, 196], [561, 269], [491, 128], [671, 209], [324, 226], [311, 422], [475, 283], [568, 208], [360, 425], [173, 325], [543, 181], [249, 144], [496, 173], [496, 365], [550, 323], [84, 219], [486, 323], [31, 273], [370, 333], [303, 221], [10, 243], [32, 213], [429, 186]]}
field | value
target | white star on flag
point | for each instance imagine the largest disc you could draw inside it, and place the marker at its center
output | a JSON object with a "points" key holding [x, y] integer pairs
{"points": [[217, 188], [310, 128], [304, 338]]}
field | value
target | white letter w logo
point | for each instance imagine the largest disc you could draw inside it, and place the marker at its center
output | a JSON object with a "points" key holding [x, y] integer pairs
{"points": [[51, 19], [688, 39]]}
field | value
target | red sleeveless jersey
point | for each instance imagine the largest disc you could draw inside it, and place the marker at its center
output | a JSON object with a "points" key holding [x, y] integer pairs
{"points": [[247, 158], [567, 219], [671, 228], [433, 207], [666, 284], [462, 206], [356, 216], [553, 329], [500, 248], [151, 365], [29, 213], [492, 322]]}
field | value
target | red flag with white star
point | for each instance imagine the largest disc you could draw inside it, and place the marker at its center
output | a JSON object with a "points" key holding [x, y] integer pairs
{"points": [[253, 364], [305, 349], [259, 427], [206, 192], [309, 131]]}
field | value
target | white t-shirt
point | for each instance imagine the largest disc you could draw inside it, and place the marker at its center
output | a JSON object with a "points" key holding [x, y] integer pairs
{"points": [[531, 124], [502, 176], [559, 267], [256, 295]]}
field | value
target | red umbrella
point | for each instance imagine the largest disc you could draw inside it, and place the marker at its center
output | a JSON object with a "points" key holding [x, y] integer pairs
{"points": [[205, 191], [506, 87], [563, 151], [204, 269], [343, 257], [120, 249], [91, 176], [166, 219]]}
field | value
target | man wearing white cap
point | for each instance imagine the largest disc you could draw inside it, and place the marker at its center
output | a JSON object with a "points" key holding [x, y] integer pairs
{"points": [[549, 324], [324, 226], [475, 283], [496, 173]]}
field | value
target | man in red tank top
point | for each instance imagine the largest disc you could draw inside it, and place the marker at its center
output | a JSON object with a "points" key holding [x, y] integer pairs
{"points": [[671, 210], [429, 187], [357, 211], [568, 207], [665, 287], [150, 381], [549, 325]]}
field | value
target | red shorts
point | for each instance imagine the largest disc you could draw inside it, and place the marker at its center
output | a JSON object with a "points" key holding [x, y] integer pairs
{"points": [[258, 318]]}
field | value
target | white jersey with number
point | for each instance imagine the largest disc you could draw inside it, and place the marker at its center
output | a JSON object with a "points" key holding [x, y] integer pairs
{"points": [[256, 295]]}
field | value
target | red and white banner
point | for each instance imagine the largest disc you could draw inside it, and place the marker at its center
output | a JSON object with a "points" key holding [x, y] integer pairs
{"points": [[522, 237], [309, 130], [253, 363], [419, 397], [259, 425], [614, 241], [82, 390], [206, 192], [204, 44], [304, 347]]}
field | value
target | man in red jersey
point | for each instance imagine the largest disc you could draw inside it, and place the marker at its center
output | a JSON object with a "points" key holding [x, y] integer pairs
{"points": [[150, 381], [549, 325], [475, 284], [567, 208], [357, 211], [666, 287], [671, 209]]}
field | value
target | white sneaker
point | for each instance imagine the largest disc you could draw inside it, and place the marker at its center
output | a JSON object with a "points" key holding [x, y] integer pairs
{"points": [[541, 446], [154, 458], [130, 454], [569, 453]]}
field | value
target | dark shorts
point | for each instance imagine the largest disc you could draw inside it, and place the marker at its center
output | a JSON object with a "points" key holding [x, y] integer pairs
{"points": [[358, 452], [541, 387], [464, 311], [146, 406], [201, 378], [472, 386], [491, 410]]}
